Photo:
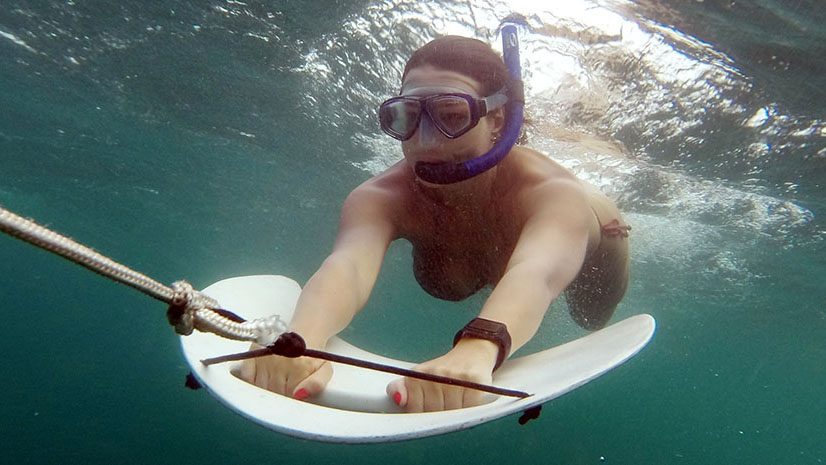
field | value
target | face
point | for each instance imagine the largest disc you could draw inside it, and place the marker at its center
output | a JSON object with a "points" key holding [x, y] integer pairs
{"points": [[428, 144]]}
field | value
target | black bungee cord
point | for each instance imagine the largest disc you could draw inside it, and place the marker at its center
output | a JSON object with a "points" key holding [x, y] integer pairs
{"points": [[292, 345]]}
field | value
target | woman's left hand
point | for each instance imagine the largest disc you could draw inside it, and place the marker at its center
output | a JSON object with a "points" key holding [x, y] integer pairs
{"points": [[470, 360]]}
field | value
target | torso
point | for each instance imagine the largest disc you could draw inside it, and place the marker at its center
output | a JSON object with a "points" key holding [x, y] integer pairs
{"points": [[456, 252], [453, 259]]}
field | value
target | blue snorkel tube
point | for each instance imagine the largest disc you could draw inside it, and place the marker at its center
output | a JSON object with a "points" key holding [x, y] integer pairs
{"points": [[450, 173]]}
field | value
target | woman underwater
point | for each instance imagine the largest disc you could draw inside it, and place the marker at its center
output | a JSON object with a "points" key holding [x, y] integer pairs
{"points": [[526, 226]]}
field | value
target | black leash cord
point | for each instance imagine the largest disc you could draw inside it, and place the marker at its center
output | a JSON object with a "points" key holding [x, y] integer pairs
{"points": [[291, 345]]}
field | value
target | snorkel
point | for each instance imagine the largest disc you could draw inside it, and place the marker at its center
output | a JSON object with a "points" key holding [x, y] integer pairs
{"points": [[450, 173]]}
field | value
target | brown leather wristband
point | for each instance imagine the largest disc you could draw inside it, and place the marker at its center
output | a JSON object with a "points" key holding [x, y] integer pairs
{"points": [[494, 331]]}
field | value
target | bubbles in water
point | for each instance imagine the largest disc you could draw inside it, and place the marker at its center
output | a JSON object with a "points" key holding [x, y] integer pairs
{"points": [[658, 120]]}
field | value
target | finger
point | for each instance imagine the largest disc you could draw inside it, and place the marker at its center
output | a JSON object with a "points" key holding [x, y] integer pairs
{"points": [[313, 384], [277, 379], [453, 397], [249, 367], [300, 370], [471, 398], [296, 371], [397, 390], [247, 372], [415, 396], [434, 399], [262, 376]]}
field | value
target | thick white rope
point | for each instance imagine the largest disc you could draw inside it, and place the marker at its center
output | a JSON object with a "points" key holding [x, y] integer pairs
{"points": [[196, 312], [35, 234], [192, 309]]}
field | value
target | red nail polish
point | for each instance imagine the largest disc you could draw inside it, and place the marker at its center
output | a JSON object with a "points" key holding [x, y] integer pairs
{"points": [[301, 394], [397, 397]]}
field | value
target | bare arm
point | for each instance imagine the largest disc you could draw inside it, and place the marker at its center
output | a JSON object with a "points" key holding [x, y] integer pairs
{"points": [[333, 296], [547, 257], [342, 285]]}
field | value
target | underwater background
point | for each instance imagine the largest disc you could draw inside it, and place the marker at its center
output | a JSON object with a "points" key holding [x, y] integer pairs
{"points": [[211, 139]]}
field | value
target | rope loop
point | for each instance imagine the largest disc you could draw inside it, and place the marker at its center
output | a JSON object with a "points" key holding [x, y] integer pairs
{"points": [[185, 303]]}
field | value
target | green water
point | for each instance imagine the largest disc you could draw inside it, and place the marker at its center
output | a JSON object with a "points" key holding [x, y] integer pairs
{"points": [[192, 153]]}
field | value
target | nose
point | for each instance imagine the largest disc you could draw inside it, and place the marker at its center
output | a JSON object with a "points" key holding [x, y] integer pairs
{"points": [[429, 135]]}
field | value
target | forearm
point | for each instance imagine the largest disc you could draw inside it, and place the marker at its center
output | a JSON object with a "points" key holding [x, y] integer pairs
{"points": [[329, 300], [520, 301]]}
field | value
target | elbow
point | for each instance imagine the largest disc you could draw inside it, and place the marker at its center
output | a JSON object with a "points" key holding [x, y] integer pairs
{"points": [[544, 279], [551, 278]]}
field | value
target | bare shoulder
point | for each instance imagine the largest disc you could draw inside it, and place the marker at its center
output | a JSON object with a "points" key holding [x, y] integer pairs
{"points": [[378, 198], [543, 183], [554, 202], [552, 175]]}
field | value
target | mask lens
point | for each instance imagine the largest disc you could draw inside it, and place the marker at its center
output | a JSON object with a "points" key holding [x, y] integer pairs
{"points": [[399, 117], [451, 113]]}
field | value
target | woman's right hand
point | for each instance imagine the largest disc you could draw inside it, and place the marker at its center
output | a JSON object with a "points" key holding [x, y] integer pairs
{"points": [[299, 378]]}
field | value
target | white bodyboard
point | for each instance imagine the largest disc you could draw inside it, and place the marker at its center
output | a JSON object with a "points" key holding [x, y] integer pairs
{"points": [[354, 407]]}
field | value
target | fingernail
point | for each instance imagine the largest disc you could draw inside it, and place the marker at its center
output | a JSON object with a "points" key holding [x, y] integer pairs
{"points": [[301, 394], [397, 397]]}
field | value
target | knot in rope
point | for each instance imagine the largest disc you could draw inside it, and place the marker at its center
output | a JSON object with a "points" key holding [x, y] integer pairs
{"points": [[185, 303], [190, 309]]}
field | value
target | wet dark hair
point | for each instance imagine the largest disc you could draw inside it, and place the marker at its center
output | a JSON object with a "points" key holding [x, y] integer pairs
{"points": [[470, 57]]}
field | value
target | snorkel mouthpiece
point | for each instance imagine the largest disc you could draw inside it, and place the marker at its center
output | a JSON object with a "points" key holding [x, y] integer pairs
{"points": [[450, 173]]}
